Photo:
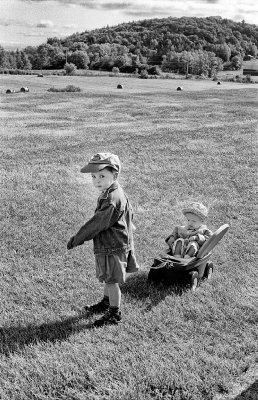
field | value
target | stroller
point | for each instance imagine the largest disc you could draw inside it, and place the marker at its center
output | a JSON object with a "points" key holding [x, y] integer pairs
{"points": [[168, 269]]}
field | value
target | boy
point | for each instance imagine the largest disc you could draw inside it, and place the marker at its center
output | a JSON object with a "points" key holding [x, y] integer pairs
{"points": [[185, 241], [111, 229]]}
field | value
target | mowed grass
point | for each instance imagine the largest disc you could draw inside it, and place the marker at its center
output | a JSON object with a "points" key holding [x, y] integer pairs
{"points": [[197, 144]]}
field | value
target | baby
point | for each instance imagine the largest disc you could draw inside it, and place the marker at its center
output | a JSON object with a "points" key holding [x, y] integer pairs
{"points": [[185, 241]]}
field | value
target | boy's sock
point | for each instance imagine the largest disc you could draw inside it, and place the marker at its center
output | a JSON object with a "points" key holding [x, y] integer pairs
{"points": [[114, 310], [106, 300]]}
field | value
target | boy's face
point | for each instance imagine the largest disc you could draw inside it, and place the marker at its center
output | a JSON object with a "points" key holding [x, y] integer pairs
{"points": [[103, 179], [193, 221]]}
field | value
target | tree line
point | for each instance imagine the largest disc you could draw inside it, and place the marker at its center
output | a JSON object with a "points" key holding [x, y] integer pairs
{"points": [[183, 45]]}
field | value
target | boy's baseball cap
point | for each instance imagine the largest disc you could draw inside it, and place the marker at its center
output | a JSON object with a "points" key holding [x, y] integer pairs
{"points": [[100, 161], [197, 209]]}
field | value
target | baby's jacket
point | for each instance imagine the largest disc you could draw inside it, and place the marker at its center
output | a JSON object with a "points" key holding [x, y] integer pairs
{"points": [[200, 235]]}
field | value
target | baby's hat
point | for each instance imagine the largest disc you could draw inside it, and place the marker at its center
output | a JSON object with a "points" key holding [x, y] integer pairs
{"points": [[197, 209], [100, 161]]}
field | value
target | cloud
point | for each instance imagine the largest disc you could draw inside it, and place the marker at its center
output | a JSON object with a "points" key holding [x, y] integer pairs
{"points": [[99, 4], [152, 12], [83, 3], [5, 22], [157, 8], [14, 22], [244, 11], [25, 24], [45, 24], [116, 5], [136, 7], [70, 26], [33, 34], [103, 4]]}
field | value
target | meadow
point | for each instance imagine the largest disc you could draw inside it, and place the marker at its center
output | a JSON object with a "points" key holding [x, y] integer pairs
{"points": [[175, 146]]}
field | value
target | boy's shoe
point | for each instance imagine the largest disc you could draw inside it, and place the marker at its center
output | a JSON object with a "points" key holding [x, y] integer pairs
{"points": [[109, 318], [97, 308]]}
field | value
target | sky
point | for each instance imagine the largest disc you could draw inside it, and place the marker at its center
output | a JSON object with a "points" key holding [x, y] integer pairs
{"points": [[30, 22]]}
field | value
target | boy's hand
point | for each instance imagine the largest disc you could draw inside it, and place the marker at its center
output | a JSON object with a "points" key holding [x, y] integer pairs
{"points": [[70, 243]]}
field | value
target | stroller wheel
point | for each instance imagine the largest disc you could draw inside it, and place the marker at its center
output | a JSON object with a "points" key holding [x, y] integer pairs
{"points": [[208, 270], [193, 275]]}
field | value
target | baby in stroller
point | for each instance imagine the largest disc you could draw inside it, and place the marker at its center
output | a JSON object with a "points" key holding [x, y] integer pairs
{"points": [[190, 248], [185, 241]]}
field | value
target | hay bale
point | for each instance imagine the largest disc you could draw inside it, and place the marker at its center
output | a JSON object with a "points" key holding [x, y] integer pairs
{"points": [[119, 86], [218, 83], [179, 88], [24, 89], [10, 91]]}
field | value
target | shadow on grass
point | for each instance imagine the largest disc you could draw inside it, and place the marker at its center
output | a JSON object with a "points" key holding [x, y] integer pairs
{"points": [[251, 393], [138, 287], [15, 338]]}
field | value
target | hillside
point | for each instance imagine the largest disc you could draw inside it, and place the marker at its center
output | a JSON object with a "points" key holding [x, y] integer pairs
{"points": [[205, 45], [178, 34]]}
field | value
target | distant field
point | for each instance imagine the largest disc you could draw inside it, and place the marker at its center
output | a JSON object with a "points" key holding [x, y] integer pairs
{"points": [[175, 146], [109, 84], [230, 74]]}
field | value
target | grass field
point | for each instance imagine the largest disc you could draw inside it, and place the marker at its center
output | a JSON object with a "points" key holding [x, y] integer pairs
{"points": [[196, 144]]}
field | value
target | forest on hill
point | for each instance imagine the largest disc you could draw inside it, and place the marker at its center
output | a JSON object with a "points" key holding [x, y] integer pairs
{"points": [[193, 45]]}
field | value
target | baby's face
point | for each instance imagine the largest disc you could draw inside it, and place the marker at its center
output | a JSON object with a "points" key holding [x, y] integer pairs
{"points": [[193, 221], [103, 179]]}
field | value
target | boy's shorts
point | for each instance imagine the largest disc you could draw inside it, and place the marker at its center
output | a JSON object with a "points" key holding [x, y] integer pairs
{"points": [[113, 268]]}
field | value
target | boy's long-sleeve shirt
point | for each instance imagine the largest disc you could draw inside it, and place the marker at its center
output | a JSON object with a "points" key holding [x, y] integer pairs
{"points": [[111, 225]]}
